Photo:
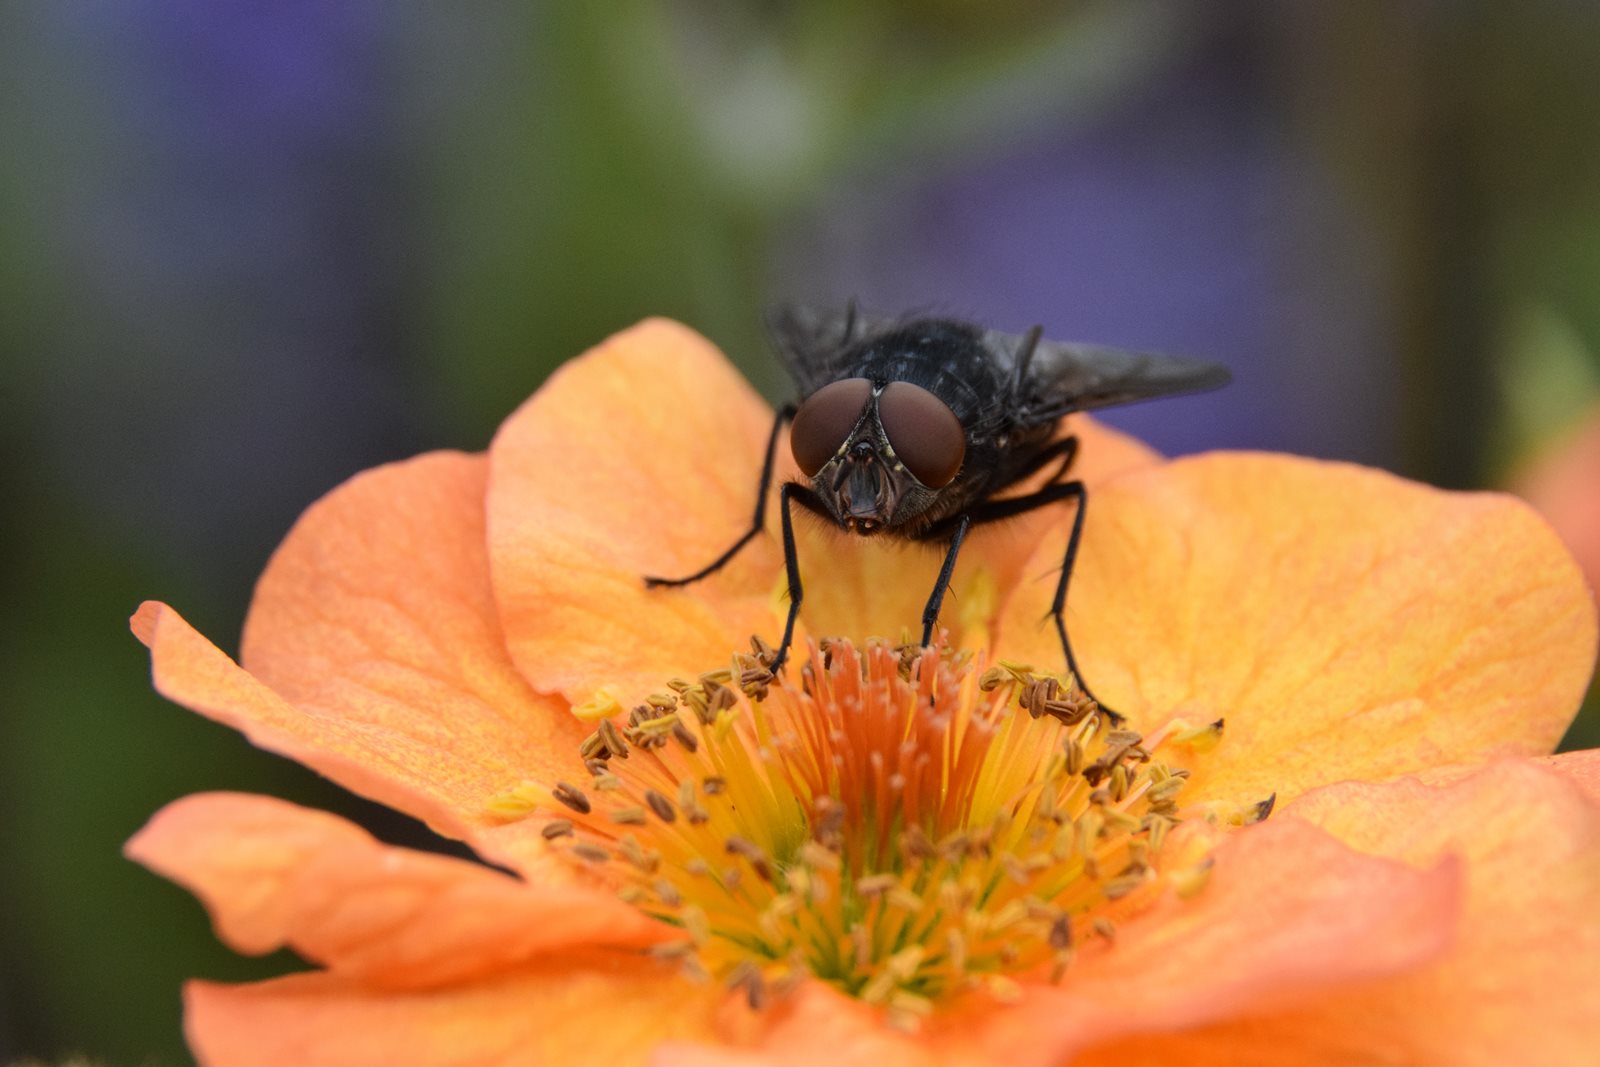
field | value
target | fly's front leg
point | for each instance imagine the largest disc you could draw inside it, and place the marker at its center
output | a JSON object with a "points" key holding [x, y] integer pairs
{"points": [[930, 613], [995, 510], [792, 492], [784, 414]]}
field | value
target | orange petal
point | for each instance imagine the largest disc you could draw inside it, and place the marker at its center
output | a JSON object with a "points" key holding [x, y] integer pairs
{"points": [[588, 1008], [817, 1026], [273, 874], [376, 638], [1289, 913], [640, 457], [1582, 768], [1519, 984], [1344, 622], [862, 587]]}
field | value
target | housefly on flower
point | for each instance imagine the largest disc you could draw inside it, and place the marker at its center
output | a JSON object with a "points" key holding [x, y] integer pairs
{"points": [[915, 428]]}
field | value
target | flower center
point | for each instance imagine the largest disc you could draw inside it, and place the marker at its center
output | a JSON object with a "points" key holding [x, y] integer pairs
{"points": [[903, 824]]}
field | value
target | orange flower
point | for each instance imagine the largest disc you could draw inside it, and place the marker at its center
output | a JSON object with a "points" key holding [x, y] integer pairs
{"points": [[885, 858]]}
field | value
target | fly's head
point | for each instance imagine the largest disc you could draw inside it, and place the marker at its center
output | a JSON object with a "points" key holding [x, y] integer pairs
{"points": [[877, 453]]}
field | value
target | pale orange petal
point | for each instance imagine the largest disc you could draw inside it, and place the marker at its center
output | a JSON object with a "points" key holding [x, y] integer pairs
{"points": [[1289, 913], [1344, 622], [1519, 986], [273, 874], [589, 1008], [1582, 768], [376, 653], [640, 457], [861, 587], [817, 1026]]}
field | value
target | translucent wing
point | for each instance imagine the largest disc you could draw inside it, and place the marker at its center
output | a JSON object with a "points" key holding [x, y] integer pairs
{"points": [[811, 340], [1056, 377]]}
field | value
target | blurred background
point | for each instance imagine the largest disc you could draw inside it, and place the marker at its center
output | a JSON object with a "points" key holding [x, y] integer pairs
{"points": [[248, 249]]}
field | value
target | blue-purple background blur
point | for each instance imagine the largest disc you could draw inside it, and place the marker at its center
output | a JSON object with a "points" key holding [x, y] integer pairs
{"points": [[247, 249]]}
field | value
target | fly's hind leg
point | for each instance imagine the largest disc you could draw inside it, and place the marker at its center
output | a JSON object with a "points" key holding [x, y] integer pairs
{"points": [[784, 414]]}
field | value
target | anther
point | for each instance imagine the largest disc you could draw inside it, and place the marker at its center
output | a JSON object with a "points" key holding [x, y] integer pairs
{"points": [[572, 798], [660, 805]]}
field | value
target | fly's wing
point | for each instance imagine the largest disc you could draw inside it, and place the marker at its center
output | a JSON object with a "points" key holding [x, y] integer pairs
{"points": [[1058, 377], [811, 341]]}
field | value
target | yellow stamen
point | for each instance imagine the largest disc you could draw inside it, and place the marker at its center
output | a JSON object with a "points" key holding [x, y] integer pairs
{"points": [[901, 823]]}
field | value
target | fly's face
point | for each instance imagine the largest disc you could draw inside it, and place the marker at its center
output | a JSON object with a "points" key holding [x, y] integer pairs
{"points": [[877, 453]]}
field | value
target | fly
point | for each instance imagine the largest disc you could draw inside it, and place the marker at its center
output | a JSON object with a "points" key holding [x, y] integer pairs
{"points": [[915, 428]]}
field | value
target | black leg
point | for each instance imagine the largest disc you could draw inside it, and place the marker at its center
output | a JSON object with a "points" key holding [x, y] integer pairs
{"points": [[996, 510], [796, 493], [930, 613], [784, 414], [1059, 604]]}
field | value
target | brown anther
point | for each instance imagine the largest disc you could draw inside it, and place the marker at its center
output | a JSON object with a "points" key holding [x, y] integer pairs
{"points": [[876, 884], [592, 853], [671, 950], [1104, 928], [914, 844], [1069, 712], [635, 854], [593, 748], [1061, 933], [596, 766], [556, 828], [1118, 745], [572, 798], [631, 816], [667, 893], [1121, 886], [713, 785], [1263, 809], [763, 652], [660, 805], [751, 853], [613, 739], [754, 682], [681, 734]]}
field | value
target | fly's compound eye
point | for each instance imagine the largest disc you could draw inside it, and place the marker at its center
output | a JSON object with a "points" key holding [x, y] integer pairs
{"points": [[825, 420], [926, 435]]}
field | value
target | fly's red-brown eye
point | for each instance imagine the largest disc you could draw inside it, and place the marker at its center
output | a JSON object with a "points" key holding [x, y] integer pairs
{"points": [[926, 435], [825, 420]]}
